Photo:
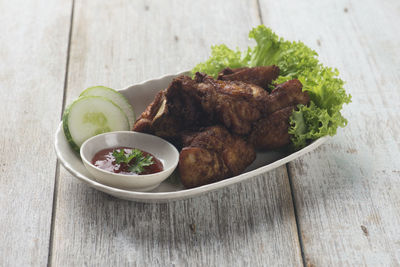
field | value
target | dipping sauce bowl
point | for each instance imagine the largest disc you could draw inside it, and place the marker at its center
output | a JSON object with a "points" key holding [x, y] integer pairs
{"points": [[161, 149]]}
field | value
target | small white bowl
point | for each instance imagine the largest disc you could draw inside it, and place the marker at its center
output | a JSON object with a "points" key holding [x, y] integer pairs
{"points": [[161, 149]]}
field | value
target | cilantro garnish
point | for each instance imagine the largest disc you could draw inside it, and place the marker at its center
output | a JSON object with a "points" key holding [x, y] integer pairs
{"points": [[135, 161]]}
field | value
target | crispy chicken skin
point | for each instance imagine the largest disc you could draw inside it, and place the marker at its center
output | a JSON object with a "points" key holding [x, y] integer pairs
{"points": [[235, 104], [242, 108], [261, 76], [144, 122], [187, 104], [172, 111], [286, 94], [212, 155], [272, 132]]}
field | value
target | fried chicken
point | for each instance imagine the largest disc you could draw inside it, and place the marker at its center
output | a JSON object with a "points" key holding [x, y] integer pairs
{"points": [[144, 122], [261, 76], [212, 119], [190, 104], [233, 103], [242, 108], [212, 155], [172, 111], [286, 94], [271, 131]]}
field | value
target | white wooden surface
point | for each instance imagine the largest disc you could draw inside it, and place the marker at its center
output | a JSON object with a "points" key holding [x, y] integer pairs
{"points": [[33, 52], [346, 206], [347, 193]]}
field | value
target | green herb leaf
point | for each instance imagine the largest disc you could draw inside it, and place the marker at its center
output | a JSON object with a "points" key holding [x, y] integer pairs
{"points": [[119, 155], [136, 161], [140, 163]]}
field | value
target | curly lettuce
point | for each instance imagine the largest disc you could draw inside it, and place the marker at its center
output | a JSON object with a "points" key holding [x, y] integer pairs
{"points": [[221, 57], [296, 61]]}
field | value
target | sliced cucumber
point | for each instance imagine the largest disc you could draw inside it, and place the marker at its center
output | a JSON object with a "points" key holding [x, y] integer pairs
{"points": [[91, 115], [114, 96]]}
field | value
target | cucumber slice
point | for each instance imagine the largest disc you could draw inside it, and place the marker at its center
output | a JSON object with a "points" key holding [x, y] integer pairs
{"points": [[91, 115], [114, 96]]}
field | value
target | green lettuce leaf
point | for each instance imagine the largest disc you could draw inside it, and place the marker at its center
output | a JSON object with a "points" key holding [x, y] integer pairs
{"points": [[221, 57], [296, 61]]}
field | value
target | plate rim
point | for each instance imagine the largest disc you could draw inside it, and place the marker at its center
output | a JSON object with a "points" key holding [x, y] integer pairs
{"points": [[180, 194]]}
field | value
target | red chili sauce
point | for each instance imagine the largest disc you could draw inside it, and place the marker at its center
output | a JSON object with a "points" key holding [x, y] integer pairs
{"points": [[105, 160]]}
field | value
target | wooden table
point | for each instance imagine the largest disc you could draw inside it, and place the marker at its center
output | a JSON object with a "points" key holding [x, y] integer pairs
{"points": [[336, 206]]}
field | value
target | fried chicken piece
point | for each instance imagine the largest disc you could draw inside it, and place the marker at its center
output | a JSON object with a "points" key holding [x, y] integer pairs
{"points": [[189, 104], [245, 109], [157, 119], [212, 155], [172, 111], [261, 76], [144, 122], [285, 94], [235, 104], [272, 132]]}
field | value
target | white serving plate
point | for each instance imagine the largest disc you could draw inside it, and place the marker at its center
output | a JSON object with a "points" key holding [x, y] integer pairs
{"points": [[140, 95]]}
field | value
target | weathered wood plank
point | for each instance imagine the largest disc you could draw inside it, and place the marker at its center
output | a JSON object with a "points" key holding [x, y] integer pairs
{"points": [[33, 53], [122, 42], [346, 193]]}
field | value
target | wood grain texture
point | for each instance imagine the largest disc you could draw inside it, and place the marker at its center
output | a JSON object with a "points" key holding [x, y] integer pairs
{"points": [[117, 44], [346, 193], [33, 53]]}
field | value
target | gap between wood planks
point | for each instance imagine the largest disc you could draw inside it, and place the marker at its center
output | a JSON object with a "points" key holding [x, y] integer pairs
{"points": [[57, 172], [295, 214]]}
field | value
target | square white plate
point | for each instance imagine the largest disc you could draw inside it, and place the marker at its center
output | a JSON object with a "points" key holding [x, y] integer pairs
{"points": [[140, 95]]}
